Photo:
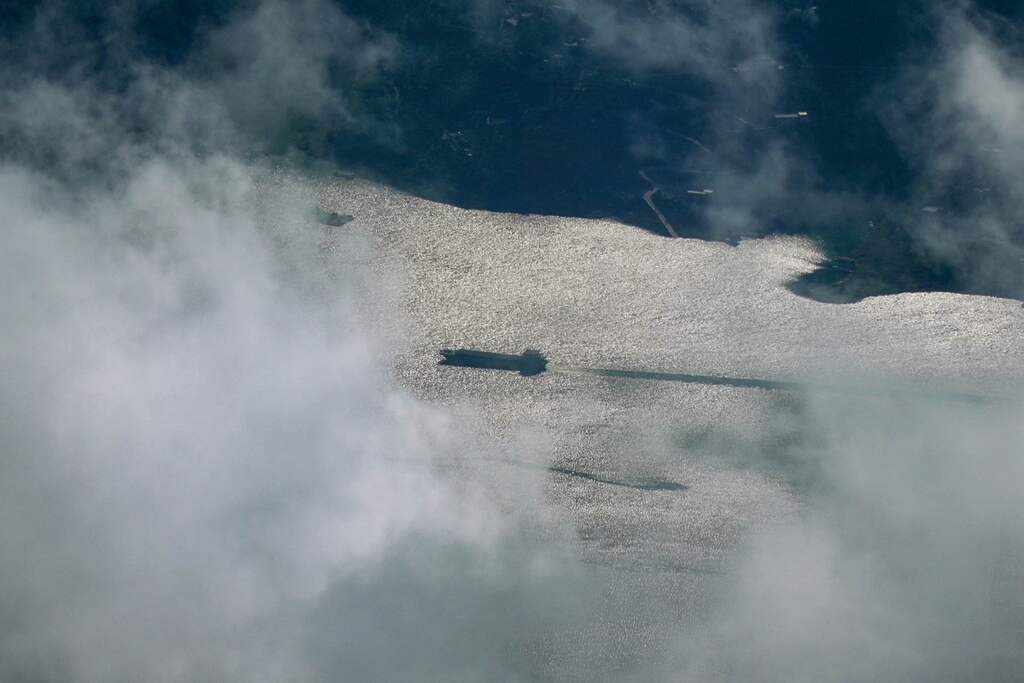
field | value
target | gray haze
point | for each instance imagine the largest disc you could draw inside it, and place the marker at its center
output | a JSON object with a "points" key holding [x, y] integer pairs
{"points": [[226, 453], [957, 111], [199, 434], [199, 475]]}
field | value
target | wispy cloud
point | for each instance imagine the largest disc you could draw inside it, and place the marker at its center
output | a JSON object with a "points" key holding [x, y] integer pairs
{"points": [[957, 111], [705, 38], [906, 550], [269, 76], [207, 473]]}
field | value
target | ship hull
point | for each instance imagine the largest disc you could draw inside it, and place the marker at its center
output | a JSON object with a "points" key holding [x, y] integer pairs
{"points": [[528, 363]]}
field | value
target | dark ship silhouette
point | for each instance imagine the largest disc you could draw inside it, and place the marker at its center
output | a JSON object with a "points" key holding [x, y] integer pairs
{"points": [[529, 362]]}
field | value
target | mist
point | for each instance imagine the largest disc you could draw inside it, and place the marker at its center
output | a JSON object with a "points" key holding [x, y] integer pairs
{"points": [[905, 561], [212, 467], [208, 473], [955, 112]]}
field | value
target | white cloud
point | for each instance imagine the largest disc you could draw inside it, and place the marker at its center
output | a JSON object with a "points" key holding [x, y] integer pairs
{"points": [[207, 473]]}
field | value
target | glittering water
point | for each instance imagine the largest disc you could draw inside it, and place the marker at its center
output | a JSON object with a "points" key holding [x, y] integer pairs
{"points": [[621, 461]]}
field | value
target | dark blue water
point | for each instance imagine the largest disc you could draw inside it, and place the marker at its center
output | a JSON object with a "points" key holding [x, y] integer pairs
{"points": [[520, 116]]}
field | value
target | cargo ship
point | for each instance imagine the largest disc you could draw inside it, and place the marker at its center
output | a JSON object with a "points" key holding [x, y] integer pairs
{"points": [[529, 362]]}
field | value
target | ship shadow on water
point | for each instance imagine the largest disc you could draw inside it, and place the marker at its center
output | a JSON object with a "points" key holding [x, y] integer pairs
{"points": [[638, 484], [532, 362]]}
